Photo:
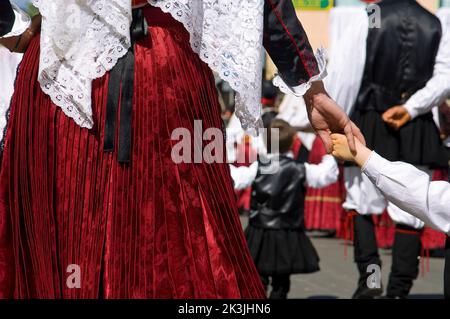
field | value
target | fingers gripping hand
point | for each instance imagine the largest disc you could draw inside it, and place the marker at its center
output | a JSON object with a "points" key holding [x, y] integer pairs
{"points": [[341, 149]]}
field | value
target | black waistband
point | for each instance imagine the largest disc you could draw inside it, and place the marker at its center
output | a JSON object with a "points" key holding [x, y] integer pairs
{"points": [[121, 87]]}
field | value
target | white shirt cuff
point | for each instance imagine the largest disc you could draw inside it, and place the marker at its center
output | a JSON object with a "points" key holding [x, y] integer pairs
{"points": [[412, 110], [301, 89], [373, 166]]}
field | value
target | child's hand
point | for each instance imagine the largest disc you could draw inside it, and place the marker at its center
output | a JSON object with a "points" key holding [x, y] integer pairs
{"points": [[341, 150]]}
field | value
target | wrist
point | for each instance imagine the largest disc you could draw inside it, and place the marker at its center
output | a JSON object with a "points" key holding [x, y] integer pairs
{"points": [[317, 87], [362, 154], [316, 90]]}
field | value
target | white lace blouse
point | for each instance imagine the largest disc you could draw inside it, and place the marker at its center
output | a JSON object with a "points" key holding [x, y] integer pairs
{"points": [[82, 39]]}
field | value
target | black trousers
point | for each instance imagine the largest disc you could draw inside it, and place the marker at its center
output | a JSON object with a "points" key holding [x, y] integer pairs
{"points": [[405, 261], [365, 246], [405, 256], [281, 285]]}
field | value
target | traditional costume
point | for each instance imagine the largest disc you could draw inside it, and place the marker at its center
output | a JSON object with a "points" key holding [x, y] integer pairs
{"points": [[87, 177], [323, 206], [413, 191], [404, 62], [276, 231], [243, 149]]}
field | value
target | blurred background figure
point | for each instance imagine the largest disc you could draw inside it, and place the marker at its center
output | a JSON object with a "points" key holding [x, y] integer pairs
{"points": [[269, 103], [323, 206], [276, 232], [242, 148], [386, 84]]}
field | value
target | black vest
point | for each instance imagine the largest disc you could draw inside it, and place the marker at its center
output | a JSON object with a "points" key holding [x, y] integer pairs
{"points": [[278, 199], [400, 55]]}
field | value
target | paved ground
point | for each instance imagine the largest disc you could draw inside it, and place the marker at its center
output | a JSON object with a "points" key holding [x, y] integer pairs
{"points": [[338, 275], [337, 278]]}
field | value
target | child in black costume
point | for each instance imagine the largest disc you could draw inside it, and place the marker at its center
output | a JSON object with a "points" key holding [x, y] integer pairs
{"points": [[276, 234]]}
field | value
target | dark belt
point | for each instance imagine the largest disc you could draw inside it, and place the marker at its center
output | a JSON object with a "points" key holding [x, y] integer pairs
{"points": [[121, 85]]}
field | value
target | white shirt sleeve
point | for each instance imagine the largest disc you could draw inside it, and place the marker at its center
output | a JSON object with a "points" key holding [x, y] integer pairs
{"points": [[243, 176], [411, 190], [348, 54], [323, 174], [21, 23], [437, 88]]}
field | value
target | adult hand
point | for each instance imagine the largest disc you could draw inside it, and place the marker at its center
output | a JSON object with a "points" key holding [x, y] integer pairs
{"points": [[396, 117], [327, 117]]}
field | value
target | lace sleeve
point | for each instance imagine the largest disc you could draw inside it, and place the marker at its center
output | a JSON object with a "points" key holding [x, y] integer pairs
{"points": [[80, 41], [301, 89], [227, 35]]}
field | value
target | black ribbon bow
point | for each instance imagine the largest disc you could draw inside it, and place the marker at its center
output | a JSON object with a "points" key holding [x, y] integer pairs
{"points": [[121, 84]]}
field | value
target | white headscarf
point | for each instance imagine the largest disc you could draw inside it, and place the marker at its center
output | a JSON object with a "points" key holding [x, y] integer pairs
{"points": [[83, 39]]}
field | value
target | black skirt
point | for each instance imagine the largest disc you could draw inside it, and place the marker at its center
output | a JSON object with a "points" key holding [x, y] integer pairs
{"points": [[281, 251], [417, 143]]}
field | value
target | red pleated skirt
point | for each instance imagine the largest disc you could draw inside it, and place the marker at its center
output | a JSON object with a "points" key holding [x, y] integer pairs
{"points": [[75, 223]]}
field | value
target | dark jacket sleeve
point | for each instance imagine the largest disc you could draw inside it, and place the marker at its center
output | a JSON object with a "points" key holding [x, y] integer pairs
{"points": [[287, 43], [7, 17]]}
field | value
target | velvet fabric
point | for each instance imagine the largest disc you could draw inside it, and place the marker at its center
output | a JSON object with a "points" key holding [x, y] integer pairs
{"points": [[147, 229]]}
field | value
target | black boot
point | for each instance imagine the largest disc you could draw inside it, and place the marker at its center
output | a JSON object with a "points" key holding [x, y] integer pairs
{"points": [[447, 270], [281, 285], [366, 254], [405, 261]]}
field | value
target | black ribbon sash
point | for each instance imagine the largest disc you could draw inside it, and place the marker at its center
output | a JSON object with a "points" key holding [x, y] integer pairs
{"points": [[120, 93]]}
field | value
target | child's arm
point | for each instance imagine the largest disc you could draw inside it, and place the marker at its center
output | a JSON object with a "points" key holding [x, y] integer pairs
{"points": [[402, 184], [323, 174], [243, 176]]}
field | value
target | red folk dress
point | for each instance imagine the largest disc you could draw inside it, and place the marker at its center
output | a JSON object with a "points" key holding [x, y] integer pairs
{"points": [[150, 229]]}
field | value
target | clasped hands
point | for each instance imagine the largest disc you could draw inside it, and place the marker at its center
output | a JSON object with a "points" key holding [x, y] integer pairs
{"points": [[327, 118]]}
